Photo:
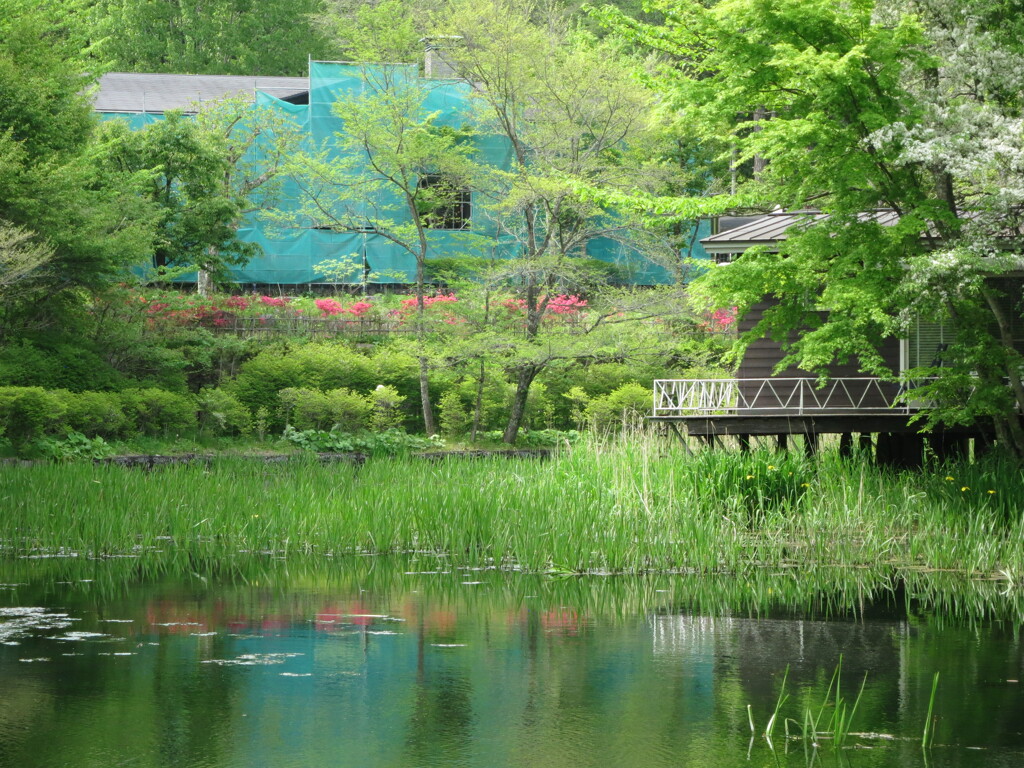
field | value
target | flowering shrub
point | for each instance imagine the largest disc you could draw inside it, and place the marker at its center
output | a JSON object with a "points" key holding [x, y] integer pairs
{"points": [[721, 319], [563, 304], [329, 307], [237, 302], [428, 301], [274, 301]]}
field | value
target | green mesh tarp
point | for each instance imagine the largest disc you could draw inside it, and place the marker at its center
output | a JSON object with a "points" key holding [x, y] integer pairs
{"points": [[289, 254]]}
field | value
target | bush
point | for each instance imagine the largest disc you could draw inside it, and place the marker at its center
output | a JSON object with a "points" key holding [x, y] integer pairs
{"points": [[74, 447], [221, 413], [453, 417], [27, 413], [304, 408], [95, 414], [390, 442], [260, 379], [156, 411], [327, 366], [387, 408], [350, 411], [313, 409], [628, 406]]}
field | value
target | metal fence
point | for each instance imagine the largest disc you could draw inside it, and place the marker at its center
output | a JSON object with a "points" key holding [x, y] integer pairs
{"points": [[778, 396]]}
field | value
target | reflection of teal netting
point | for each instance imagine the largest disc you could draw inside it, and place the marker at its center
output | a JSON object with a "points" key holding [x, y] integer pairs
{"points": [[289, 256]]}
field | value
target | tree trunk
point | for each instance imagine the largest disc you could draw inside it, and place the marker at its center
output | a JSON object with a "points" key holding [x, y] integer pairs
{"points": [[478, 406], [204, 283], [429, 425], [524, 378]]}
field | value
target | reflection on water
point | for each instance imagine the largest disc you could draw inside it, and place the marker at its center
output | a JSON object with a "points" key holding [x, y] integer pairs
{"points": [[404, 662]]}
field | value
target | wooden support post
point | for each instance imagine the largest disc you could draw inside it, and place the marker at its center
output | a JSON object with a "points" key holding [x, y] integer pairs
{"points": [[682, 439], [883, 449], [865, 445], [846, 445], [782, 442], [811, 443], [744, 441]]}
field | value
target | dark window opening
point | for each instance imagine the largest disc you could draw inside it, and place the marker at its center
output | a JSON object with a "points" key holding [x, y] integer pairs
{"points": [[445, 204]]}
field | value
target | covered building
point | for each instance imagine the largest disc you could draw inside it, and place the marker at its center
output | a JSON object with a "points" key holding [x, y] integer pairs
{"points": [[288, 257]]}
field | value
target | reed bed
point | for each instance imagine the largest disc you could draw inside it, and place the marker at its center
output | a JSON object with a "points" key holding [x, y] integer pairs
{"points": [[607, 506]]}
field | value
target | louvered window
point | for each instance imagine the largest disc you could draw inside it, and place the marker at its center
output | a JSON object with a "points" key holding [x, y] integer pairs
{"points": [[927, 343]]}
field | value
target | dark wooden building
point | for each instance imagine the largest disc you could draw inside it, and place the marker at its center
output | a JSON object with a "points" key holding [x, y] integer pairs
{"points": [[762, 402]]}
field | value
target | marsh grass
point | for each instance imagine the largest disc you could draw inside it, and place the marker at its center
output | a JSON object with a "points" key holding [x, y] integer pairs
{"points": [[607, 506]]}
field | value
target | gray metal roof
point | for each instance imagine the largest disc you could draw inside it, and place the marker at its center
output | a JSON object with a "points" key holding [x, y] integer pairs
{"points": [[133, 92], [770, 228]]}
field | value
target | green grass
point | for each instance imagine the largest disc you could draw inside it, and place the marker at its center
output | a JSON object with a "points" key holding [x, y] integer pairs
{"points": [[616, 506]]}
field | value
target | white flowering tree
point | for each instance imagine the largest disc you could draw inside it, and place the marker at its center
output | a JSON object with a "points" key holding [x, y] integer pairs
{"points": [[913, 106]]}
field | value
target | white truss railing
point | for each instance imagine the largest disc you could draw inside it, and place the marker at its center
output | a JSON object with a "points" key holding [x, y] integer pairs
{"points": [[781, 396]]}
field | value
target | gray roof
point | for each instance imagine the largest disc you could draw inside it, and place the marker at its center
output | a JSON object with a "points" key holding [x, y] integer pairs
{"points": [[131, 92], [770, 228]]}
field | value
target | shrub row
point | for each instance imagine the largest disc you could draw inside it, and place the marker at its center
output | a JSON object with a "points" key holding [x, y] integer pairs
{"points": [[28, 413]]}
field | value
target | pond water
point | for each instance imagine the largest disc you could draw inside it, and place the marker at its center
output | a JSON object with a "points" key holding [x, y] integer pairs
{"points": [[405, 662]]}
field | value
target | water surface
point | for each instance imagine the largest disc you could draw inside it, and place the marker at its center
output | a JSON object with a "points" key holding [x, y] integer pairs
{"points": [[405, 662]]}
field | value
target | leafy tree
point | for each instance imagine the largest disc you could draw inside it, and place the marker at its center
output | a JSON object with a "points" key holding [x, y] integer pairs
{"points": [[569, 111], [909, 106], [54, 176], [373, 177], [196, 218], [210, 37]]}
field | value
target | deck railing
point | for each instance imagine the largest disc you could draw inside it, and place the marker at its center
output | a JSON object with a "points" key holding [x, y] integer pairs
{"points": [[778, 396]]}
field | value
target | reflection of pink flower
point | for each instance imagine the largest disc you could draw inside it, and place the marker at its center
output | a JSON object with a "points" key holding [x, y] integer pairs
{"points": [[329, 307]]}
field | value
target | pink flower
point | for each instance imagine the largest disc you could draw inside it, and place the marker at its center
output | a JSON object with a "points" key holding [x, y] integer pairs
{"points": [[237, 302], [564, 304], [360, 308], [329, 307], [274, 301]]}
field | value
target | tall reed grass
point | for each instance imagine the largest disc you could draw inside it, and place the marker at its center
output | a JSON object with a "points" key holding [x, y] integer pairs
{"points": [[629, 506]]}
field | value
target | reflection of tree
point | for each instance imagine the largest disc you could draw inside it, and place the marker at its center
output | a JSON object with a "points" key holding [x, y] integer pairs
{"points": [[191, 709], [442, 716]]}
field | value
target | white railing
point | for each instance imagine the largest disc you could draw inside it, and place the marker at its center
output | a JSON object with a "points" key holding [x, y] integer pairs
{"points": [[777, 396]]}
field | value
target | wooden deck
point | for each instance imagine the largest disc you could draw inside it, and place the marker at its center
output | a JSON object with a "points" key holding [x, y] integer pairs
{"points": [[878, 412]]}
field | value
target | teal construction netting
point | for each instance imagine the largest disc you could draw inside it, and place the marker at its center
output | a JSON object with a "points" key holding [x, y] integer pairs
{"points": [[290, 253]]}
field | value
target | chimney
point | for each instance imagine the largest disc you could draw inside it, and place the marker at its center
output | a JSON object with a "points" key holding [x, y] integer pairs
{"points": [[437, 66]]}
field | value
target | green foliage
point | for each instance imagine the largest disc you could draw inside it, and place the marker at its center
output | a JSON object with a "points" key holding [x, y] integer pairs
{"points": [[538, 438], [95, 414], [390, 442], [625, 408], [578, 401], [156, 411], [26, 413], [452, 416], [218, 37], [74, 447], [339, 408], [198, 217], [261, 378], [54, 178], [387, 404], [221, 413]]}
